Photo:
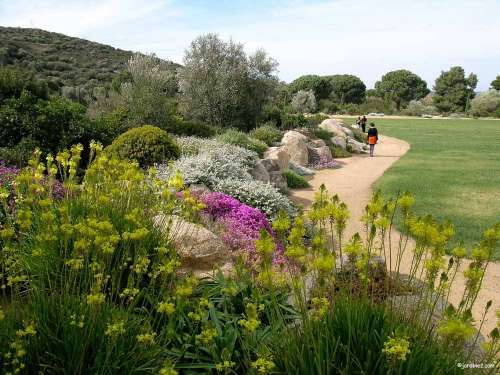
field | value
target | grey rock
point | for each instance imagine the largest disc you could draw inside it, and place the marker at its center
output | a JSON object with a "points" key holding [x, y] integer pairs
{"points": [[303, 171]]}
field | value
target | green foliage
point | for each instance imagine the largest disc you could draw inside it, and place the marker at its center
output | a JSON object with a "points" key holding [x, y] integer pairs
{"points": [[350, 339], [328, 106], [418, 108], [221, 85], [294, 180], [189, 128], [14, 82], [401, 86], [347, 88], [321, 133], [291, 121], [320, 86], [495, 84], [359, 136], [147, 145], [339, 152], [267, 133], [62, 60], [453, 91], [145, 95], [238, 138], [486, 104], [316, 119]]}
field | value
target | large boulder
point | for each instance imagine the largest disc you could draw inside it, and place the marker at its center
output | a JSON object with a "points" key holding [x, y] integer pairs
{"points": [[303, 171], [279, 154], [348, 131], [275, 173], [259, 172], [295, 144], [317, 143], [339, 141], [198, 248], [356, 147], [334, 127], [319, 153]]}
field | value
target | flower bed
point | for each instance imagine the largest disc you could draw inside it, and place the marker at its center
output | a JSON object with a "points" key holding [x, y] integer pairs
{"points": [[242, 223]]}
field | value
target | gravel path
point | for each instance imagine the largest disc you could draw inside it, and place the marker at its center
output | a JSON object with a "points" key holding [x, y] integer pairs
{"points": [[353, 183]]}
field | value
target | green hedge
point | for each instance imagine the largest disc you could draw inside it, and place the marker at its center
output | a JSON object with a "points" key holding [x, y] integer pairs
{"points": [[146, 144]]}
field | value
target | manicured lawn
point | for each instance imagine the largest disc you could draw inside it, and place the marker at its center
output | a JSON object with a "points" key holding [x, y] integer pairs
{"points": [[453, 168]]}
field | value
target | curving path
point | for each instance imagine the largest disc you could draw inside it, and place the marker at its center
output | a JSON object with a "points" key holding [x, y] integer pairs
{"points": [[353, 183]]}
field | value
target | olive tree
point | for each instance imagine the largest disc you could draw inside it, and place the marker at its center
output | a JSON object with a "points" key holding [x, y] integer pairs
{"points": [[304, 101], [401, 86], [219, 84], [486, 104]]}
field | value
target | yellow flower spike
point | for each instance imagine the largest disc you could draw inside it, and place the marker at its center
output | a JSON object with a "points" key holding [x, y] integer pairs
{"points": [[396, 349], [263, 365], [166, 308], [115, 329]]}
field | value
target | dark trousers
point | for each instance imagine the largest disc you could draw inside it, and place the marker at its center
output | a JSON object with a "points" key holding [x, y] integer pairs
{"points": [[372, 148], [363, 127]]}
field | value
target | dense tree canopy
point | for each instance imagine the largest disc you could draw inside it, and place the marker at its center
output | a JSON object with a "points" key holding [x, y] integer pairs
{"points": [[321, 86], [347, 88], [401, 86], [453, 90], [221, 85], [495, 84]]}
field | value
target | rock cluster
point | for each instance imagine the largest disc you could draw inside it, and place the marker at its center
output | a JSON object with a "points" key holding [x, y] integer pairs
{"points": [[343, 136]]}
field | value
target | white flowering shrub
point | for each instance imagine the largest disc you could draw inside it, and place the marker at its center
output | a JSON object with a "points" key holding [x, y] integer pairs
{"points": [[194, 146], [224, 168], [206, 169], [257, 194]]}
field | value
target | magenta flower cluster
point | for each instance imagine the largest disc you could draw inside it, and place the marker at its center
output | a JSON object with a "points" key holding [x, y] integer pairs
{"points": [[242, 224]]}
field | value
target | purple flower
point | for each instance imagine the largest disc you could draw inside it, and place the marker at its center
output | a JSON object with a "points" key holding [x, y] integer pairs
{"points": [[242, 224], [324, 162]]}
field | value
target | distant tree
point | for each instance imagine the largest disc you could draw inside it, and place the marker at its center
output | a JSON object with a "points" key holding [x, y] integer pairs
{"points": [[347, 88], [401, 86], [304, 101], [219, 84], [452, 91], [486, 104], [495, 84], [321, 86], [14, 82], [145, 91], [371, 92]]}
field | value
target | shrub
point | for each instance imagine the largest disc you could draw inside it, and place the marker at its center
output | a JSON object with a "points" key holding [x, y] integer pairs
{"points": [[188, 128], [418, 108], [304, 102], [323, 134], [294, 180], [339, 152], [291, 121], [238, 138], [314, 120], [258, 194], [359, 136], [147, 145], [486, 104], [328, 106], [192, 146], [267, 133]]}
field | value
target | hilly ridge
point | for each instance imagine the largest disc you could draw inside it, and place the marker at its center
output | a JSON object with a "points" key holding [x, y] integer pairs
{"points": [[60, 59]]}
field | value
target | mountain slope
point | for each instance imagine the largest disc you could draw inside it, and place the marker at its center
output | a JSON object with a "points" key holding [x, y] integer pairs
{"points": [[61, 59]]}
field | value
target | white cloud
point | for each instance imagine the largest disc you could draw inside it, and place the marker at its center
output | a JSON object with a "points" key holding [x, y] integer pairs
{"points": [[362, 37]]}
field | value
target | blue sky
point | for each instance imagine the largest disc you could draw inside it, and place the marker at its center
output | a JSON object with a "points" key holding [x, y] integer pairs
{"points": [[363, 37]]}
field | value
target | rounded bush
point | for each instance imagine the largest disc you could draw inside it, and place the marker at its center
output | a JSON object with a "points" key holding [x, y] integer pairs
{"points": [[238, 138], [147, 145], [267, 133], [294, 180]]}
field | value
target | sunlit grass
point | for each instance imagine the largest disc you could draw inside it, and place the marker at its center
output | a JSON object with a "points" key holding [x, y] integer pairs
{"points": [[453, 168]]}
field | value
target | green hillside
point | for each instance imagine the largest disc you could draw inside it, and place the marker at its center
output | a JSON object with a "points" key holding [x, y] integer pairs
{"points": [[61, 59]]}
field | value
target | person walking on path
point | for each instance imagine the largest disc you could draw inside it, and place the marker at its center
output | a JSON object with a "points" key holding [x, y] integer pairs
{"points": [[363, 124], [372, 137]]}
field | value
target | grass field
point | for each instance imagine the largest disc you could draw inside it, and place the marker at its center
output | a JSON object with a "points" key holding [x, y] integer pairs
{"points": [[453, 168]]}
